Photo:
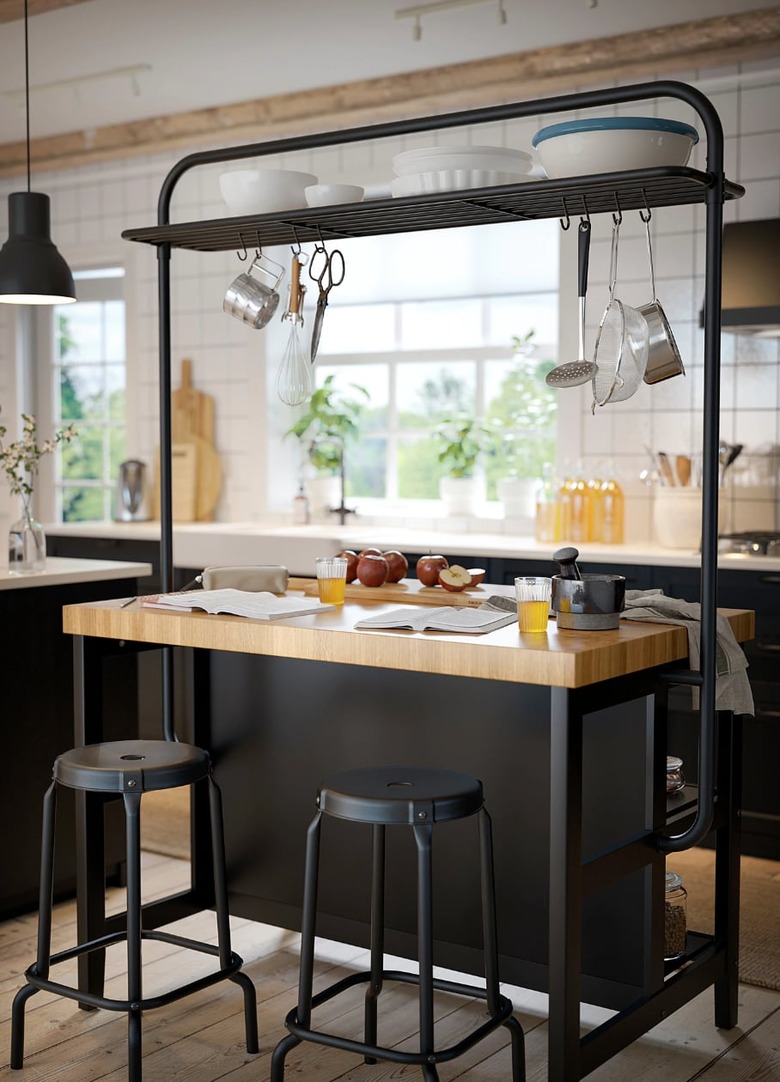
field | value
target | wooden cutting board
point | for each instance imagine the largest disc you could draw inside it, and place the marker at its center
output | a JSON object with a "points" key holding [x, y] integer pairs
{"points": [[192, 422], [411, 591], [184, 479], [192, 411]]}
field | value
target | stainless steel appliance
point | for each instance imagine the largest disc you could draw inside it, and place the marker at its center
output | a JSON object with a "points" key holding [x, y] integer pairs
{"points": [[751, 543], [131, 503]]}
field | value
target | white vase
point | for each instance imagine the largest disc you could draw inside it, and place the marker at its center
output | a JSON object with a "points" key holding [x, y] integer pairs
{"points": [[462, 495], [518, 497], [324, 494]]}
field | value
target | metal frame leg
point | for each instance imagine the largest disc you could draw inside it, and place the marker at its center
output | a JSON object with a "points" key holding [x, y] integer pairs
{"points": [[565, 931], [377, 936], [219, 865], [727, 869], [423, 837], [132, 802], [45, 903]]}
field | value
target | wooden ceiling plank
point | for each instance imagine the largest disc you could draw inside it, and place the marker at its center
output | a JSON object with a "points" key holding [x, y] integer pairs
{"points": [[682, 47], [13, 10]]}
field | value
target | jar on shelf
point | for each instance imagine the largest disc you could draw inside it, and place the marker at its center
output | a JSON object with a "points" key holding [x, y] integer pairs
{"points": [[675, 778], [675, 917]]}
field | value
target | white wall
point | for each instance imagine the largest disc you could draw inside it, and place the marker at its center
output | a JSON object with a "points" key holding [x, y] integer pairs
{"points": [[92, 205]]}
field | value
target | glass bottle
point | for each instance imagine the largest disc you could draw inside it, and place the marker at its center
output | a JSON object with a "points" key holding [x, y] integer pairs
{"points": [[565, 491], [595, 508], [675, 917], [675, 778], [547, 526], [612, 512], [26, 543], [580, 508]]}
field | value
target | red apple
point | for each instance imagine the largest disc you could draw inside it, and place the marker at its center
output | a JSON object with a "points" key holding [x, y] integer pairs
{"points": [[455, 578], [372, 570], [397, 563], [370, 552], [428, 568], [352, 562], [477, 575]]}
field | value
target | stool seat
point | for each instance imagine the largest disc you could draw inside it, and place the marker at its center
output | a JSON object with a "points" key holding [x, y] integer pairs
{"points": [[139, 766], [400, 794]]}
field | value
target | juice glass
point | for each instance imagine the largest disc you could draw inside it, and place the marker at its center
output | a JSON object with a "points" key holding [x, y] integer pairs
{"points": [[533, 594], [331, 579]]}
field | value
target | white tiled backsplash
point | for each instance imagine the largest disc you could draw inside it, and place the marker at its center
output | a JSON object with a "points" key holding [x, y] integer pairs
{"points": [[92, 205]]}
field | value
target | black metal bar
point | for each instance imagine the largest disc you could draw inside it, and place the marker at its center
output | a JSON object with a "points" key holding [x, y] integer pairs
{"points": [[377, 934], [220, 871], [309, 921], [423, 838], [132, 802], [565, 931], [489, 919], [727, 866]]}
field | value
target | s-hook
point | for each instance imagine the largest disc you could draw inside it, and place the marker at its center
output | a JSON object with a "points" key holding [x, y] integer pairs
{"points": [[242, 242], [617, 214], [645, 214], [566, 220]]}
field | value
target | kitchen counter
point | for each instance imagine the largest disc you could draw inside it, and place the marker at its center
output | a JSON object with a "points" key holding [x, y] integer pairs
{"points": [[64, 572], [200, 544]]}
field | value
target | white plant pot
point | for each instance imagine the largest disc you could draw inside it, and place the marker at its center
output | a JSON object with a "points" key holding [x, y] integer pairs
{"points": [[677, 517], [462, 495], [518, 497], [323, 493]]}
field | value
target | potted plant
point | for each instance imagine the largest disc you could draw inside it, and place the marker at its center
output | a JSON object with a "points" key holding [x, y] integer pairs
{"points": [[331, 419], [463, 442]]}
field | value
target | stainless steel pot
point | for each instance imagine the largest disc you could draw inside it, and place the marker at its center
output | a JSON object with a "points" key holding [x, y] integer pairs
{"points": [[663, 356], [592, 603]]}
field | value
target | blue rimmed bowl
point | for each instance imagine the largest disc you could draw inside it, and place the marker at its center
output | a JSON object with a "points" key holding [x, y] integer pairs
{"points": [[613, 144]]}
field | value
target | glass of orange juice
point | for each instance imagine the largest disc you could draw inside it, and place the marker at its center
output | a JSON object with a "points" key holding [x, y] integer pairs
{"points": [[533, 594], [331, 579]]}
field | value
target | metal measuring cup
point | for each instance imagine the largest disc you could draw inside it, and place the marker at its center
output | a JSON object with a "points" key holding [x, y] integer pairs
{"points": [[663, 356], [254, 300]]}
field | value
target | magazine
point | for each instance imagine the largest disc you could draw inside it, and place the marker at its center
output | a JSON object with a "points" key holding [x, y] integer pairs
{"points": [[257, 605], [449, 618]]}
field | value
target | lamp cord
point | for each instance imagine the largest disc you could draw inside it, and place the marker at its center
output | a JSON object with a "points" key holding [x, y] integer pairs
{"points": [[27, 92]]}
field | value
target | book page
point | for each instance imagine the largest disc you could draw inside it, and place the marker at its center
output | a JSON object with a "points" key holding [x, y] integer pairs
{"points": [[449, 618], [258, 605]]}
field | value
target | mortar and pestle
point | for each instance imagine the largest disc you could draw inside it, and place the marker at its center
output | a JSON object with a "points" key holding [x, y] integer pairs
{"points": [[585, 602]]}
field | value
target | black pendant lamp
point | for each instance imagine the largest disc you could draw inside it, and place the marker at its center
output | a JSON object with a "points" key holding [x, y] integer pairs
{"points": [[32, 271]]}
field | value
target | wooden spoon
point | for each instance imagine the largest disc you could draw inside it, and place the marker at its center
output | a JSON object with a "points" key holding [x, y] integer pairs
{"points": [[682, 465]]}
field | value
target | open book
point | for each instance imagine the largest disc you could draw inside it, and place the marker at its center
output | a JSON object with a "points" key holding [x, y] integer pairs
{"points": [[448, 618], [257, 605]]}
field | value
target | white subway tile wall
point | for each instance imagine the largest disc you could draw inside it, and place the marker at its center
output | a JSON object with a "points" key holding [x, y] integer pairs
{"points": [[92, 205]]}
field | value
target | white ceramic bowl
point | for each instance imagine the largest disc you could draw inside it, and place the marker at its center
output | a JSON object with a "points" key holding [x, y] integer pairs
{"points": [[613, 144], [263, 191], [324, 195], [432, 159], [450, 180]]}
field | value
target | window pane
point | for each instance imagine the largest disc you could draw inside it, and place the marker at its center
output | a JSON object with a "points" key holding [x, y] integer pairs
{"points": [[428, 391], [441, 324], [516, 316], [360, 328], [81, 334], [82, 504], [366, 469], [114, 331], [82, 458], [418, 469], [82, 393]]}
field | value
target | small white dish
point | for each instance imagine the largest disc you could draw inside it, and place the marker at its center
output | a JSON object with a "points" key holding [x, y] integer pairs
{"points": [[325, 195], [451, 180], [264, 191], [433, 159]]}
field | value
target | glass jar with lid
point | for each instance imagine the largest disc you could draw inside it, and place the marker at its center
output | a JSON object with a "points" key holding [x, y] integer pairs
{"points": [[675, 917], [674, 776]]}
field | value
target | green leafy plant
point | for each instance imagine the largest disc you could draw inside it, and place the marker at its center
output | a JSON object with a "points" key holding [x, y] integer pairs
{"points": [[463, 440], [21, 459], [331, 419]]}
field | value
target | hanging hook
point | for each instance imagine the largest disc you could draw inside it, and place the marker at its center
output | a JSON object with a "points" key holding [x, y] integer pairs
{"points": [[258, 246], [296, 248], [587, 212], [645, 214], [566, 220], [242, 242], [618, 217]]}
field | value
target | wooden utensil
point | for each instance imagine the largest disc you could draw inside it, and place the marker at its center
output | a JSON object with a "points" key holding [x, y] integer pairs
{"points": [[682, 465]]}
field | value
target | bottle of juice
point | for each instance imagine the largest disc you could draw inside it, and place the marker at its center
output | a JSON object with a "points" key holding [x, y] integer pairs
{"points": [[613, 511], [580, 508], [565, 500], [547, 507], [596, 508]]}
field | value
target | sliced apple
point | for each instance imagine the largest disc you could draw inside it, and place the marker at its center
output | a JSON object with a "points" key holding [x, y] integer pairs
{"points": [[477, 575], [454, 578]]}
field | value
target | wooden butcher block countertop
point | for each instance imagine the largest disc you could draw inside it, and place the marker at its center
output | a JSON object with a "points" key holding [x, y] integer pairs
{"points": [[567, 659]]}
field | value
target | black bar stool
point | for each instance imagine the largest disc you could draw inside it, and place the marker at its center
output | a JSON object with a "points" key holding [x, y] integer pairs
{"points": [[131, 767], [418, 798]]}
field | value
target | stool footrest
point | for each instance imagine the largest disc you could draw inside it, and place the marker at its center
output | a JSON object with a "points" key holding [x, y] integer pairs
{"points": [[392, 1054], [144, 1004]]}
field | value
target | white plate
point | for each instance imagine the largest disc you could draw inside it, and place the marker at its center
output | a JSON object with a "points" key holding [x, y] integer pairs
{"points": [[451, 180], [433, 159]]}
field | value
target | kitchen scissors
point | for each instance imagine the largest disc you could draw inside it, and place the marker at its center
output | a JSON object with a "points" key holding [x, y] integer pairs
{"points": [[331, 274]]}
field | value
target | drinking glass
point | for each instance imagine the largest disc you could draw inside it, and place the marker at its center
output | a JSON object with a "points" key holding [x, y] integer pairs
{"points": [[331, 579], [533, 594]]}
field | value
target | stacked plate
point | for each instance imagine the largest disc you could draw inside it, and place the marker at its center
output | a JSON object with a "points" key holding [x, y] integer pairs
{"points": [[453, 168]]}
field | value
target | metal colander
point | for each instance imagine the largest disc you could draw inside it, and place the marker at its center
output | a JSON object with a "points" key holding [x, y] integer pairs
{"points": [[621, 344]]}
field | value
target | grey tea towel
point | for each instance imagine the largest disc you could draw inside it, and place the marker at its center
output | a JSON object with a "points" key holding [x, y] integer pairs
{"points": [[732, 687]]}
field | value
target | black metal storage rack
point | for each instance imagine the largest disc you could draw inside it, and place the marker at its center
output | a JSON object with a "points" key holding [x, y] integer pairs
{"points": [[587, 195]]}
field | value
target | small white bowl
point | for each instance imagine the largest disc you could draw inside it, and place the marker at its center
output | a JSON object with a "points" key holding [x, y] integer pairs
{"points": [[613, 144], [433, 159], [325, 195], [263, 191], [450, 180]]}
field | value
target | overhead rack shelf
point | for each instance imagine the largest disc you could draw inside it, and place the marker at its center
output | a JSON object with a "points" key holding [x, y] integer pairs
{"points": [[561, 198]]}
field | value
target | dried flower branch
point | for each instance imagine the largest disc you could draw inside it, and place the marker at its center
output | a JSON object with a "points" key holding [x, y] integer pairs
{"points": [[20, 460]]}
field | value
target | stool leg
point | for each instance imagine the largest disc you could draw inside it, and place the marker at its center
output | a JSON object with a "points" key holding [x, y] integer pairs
{"points": [[518, 1049], [422, 836], [223, 917], [489, 933], [132, 802], [45, 902], [377, 936]]}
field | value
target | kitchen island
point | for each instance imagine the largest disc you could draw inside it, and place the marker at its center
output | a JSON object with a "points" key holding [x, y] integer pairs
{"points": [[567, 732], [37, 709]]}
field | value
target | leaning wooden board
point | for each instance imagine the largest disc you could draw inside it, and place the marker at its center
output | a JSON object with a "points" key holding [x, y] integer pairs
{"points": [[410, 591]]}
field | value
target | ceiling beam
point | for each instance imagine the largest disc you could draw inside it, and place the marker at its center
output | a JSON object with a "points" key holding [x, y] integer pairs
{"points": [[682, 47], [13, 10]]}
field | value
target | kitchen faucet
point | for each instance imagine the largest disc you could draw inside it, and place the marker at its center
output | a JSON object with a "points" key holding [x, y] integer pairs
{"points": [[342, 510]]}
